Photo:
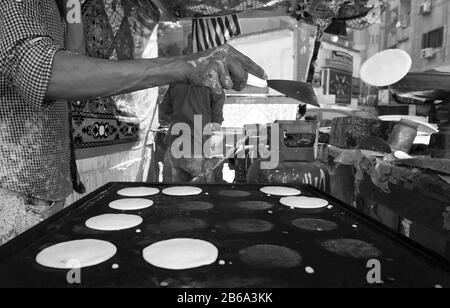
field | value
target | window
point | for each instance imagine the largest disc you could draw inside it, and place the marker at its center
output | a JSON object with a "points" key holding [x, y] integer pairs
{"points": [[433, 39]]}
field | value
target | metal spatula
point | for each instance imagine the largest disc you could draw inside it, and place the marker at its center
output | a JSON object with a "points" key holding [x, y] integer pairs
{"points": [[298, 90]]}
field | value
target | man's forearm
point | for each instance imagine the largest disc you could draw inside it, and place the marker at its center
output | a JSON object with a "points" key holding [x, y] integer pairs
{"points": [[76, 77]]}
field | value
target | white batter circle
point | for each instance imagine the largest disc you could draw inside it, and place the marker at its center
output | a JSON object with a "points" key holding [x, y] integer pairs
{"points": [[182, 191], [304, 203], [76, 254], [131, 204], [181, 254], [138, 192], [280, 191], [113, 222]]}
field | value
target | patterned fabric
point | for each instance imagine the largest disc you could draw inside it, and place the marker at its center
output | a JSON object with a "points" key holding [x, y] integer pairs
{"points": [[356, 14], [196, 8], [34, 143], [116, 30], [211, 32]]}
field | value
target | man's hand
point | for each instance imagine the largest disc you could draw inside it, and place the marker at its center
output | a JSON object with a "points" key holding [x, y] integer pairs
{"points": [[222, 68]]}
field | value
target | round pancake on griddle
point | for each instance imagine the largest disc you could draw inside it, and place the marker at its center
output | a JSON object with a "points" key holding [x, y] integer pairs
{"points": [[270, 256], [234, 193], [315, 225], [76, 254], [305, 203], [280, 191], [181, 254], [180, 191], [138, 192], [113, 222], [177, 224], [131, 204], [250, 225], [254, 205], [352, 248], [195, 206]]}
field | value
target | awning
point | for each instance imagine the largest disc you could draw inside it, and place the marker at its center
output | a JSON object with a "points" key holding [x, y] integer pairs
{"points": [[354, 14]]}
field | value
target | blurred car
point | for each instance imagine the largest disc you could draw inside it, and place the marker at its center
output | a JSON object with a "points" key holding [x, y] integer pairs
{"points": [[425, 129]]}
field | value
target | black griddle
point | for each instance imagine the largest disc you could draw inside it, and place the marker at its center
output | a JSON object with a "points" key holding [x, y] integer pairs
{"points": [[404, 264]]}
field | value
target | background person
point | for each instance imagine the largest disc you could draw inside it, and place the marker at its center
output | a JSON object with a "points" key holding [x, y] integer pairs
{"points": [[182, 103]]}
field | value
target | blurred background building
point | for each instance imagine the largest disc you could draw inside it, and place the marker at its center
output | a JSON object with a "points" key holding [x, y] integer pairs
{"points": [[420, 28]]}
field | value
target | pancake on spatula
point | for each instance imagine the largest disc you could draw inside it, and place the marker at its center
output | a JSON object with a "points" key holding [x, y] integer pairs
{"points": [[76, 254], [386, 68]]}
